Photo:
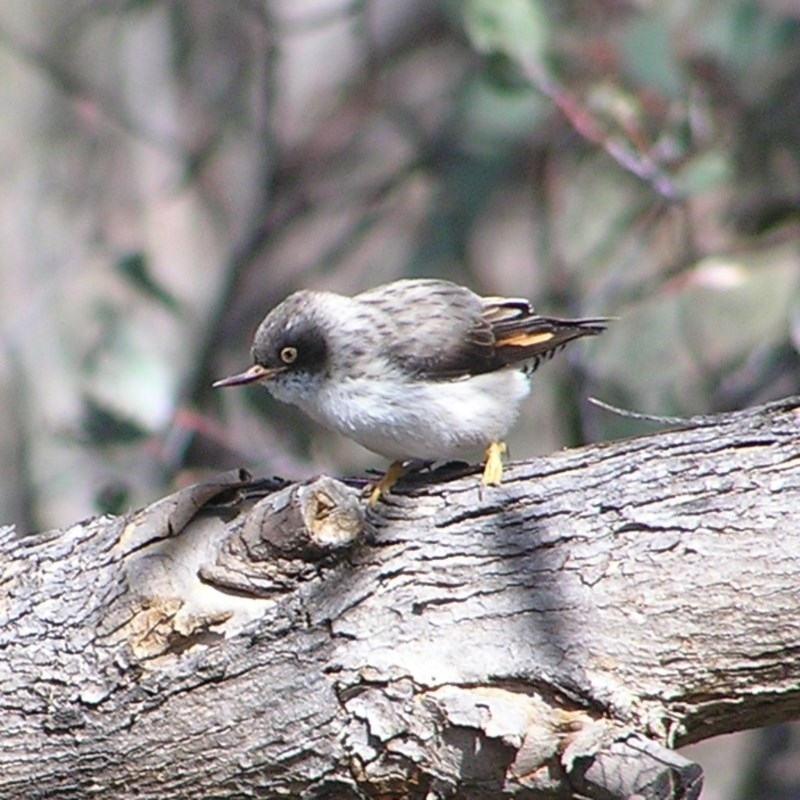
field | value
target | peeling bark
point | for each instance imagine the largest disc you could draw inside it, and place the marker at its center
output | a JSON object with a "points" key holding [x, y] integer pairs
{"points": [[553, 637]]}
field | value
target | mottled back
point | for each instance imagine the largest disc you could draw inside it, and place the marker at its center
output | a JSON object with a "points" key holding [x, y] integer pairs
{"points": [[455, 333]]}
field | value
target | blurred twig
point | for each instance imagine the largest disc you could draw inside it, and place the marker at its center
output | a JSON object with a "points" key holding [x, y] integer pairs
{"points": [[586, 125]]}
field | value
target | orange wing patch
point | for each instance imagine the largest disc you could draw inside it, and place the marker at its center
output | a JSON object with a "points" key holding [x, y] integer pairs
{"points": [[527, 339]]}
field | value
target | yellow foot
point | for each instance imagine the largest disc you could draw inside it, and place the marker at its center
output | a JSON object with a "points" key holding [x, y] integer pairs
{"points": [[493, 469], [381, 489]]}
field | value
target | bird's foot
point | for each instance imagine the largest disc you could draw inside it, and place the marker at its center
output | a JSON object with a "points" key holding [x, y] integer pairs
{"points": [[396, 471], [493, 468]]}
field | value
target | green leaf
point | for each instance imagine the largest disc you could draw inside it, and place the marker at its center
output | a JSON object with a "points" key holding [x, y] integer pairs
{"points": [[704, 172], [517, 29], [104, 426], [134, 268], [649, 57]]}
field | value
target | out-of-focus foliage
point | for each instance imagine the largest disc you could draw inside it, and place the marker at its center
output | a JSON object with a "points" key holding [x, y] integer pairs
{"points": [[171, 170]]}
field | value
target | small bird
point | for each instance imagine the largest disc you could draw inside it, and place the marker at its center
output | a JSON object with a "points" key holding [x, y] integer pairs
{"points": [[416, 370]]}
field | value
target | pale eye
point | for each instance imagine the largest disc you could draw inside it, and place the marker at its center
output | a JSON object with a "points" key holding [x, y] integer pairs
{"points": [[289, 355]]}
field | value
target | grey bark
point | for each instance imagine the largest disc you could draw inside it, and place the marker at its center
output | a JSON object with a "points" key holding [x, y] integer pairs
{"points": [[553, 637]]}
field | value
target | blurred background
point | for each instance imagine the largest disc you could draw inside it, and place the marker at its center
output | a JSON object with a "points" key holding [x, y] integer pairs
{"points": [[171, 170]]}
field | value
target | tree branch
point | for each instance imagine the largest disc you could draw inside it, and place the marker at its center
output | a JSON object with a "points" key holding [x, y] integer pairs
{"points": [[551, 637]]}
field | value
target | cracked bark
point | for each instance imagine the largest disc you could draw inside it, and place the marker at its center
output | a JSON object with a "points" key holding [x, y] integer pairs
{"points": [[553, 637]]}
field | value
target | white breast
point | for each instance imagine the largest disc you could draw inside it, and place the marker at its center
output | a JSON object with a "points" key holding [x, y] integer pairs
{"points": [[420, 420]]}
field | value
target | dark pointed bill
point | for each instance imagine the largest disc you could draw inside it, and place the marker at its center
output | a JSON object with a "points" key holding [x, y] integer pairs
{"points": [[255, 373]]}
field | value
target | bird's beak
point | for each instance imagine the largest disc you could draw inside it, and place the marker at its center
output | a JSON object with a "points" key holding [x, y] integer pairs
{"points": [[252, 375]]}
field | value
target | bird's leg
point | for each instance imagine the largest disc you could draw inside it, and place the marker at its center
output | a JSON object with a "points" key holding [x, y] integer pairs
{"points": [[493, 469], [396, 471]]}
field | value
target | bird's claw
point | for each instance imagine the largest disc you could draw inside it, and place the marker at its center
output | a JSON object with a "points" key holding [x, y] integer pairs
{"points": [[386, 483], [493, 469]]}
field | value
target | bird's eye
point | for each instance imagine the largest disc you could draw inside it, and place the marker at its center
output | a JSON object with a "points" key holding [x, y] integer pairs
{"points": [[289, 355]]}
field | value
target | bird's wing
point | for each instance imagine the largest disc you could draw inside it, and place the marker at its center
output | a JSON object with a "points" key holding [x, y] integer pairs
{"points": [[435, 329], [521, 335], [453, 332]]}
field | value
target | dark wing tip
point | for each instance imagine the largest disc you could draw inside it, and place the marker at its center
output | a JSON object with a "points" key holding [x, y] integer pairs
{"points": [[589, 326], [540, 338]]}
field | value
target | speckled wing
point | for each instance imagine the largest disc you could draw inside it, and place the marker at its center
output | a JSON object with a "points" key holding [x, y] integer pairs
{"points": [[434, 329], [440, 330]]}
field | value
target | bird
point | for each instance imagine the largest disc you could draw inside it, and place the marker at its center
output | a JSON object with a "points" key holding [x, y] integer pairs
{"points": [[417, 370]]}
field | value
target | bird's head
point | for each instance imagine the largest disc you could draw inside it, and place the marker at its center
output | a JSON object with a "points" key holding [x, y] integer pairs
{"points": [[290, 349]]}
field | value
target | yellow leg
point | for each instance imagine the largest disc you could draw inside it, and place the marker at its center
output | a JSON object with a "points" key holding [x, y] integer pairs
{"points": [[493, 469], [391, 476]]}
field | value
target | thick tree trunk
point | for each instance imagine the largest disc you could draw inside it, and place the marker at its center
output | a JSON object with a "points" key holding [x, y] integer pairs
{"points": [[551, 637]]}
